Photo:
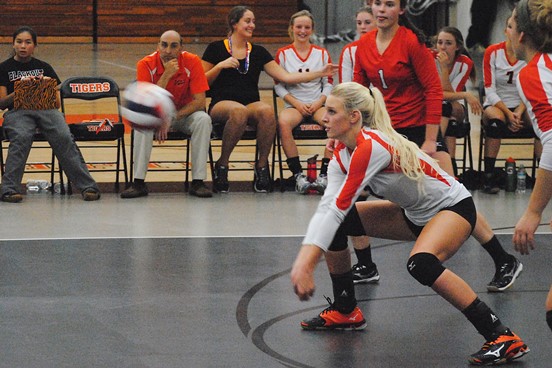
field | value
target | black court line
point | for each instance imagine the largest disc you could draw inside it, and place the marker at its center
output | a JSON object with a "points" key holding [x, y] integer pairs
{"points": [[257, 335]]}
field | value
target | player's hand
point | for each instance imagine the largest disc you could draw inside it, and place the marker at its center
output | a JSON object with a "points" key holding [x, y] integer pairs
{"points": [[443, 59], [515, 123], [329, 70], [316, 105], [474, 103], [524, 233], [303, 282], [303, 108], [302, 273], [429, 147]]}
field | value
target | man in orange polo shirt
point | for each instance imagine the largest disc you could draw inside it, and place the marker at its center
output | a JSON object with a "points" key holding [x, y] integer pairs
{"points": [[180, 73]]}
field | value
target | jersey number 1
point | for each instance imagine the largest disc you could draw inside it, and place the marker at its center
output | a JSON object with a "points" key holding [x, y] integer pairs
{"points": [[382, 78]]}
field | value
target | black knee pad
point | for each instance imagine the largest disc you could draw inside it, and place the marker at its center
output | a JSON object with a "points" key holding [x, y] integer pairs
{"points": [[351, 226], [446, 109], [457, 129], [339, 242], [495, 128], [549, 318], [425, 268]]}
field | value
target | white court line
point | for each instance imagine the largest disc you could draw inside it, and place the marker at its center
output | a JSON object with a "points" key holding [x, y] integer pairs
{"points": [[156, 237], [184, 237], [117, 65]]}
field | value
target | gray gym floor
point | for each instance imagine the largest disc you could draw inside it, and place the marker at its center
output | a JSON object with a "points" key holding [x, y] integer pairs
{"points": [[171, 280]]}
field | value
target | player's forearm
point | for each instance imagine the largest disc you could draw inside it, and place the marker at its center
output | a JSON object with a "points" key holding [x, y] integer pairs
{"points": [[542, 192]]}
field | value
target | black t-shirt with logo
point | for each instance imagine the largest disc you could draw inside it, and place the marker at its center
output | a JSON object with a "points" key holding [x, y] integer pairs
{"points": [[12, 70]]}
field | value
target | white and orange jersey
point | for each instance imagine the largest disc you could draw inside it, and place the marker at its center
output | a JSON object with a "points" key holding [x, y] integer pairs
{"points": [[347, 62], [459, 73], [370, 167], [500, 76], [535, 88], [306, 92]]}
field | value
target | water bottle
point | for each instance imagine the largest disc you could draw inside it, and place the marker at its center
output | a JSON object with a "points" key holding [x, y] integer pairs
{"points": [[32, 186], [510, 175], [311, 168], [58, 188], [37, 186], [521, 179], [43, 185]]}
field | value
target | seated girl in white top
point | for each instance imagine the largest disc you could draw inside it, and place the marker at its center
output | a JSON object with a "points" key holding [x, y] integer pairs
{"points": [[304, 100]]}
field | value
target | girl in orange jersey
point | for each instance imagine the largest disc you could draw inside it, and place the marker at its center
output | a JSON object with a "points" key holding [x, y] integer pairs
{"points": [[396, 60]]}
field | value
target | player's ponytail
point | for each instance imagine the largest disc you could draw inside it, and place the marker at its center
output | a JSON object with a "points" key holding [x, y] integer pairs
{"points": [[370, 103], [534, 18]]}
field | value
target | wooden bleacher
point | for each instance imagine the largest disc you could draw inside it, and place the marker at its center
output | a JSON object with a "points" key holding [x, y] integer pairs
{"points": [[199, 21]]}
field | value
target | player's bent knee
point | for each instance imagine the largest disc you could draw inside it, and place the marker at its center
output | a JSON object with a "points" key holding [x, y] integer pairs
{"points": [[339, 242], [495, 128], [425, 268]]}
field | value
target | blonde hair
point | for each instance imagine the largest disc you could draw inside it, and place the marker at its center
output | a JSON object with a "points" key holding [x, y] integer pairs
{"points": [[534, 18], [371, 105], [364, 9], [302, 13]]}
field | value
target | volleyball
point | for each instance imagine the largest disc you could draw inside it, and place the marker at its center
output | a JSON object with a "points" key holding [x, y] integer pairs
{"points": [[147, 106]]}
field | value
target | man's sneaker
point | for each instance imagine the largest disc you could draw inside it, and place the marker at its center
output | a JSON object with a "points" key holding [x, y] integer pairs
{"points": [[320, 183], [506, 347], [332, 319], [220, 180], [302, 184], [490, 186], [364, 274], [505, 275], [262, 180], [12, 197], [91, 194], [135, 191], [199, 189]]}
